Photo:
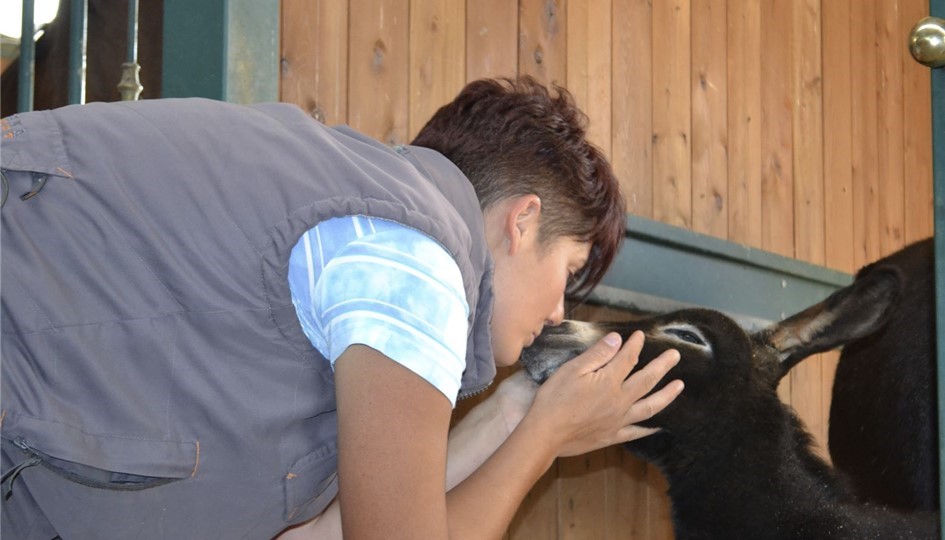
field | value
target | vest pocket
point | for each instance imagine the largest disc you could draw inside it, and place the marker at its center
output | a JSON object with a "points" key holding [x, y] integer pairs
{"points": [[99, 461], [311, 484]]}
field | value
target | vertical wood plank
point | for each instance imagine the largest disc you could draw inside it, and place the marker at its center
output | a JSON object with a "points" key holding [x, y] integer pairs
{"points": [[709, 118], [626, 508], [537, 517], [378, 72], [890, 122], [917, 134], [588, 67], [491, 39], [542, 34], [437, 57], [865, 140], [744, 122], [672, 170], [808, 133], [838, 129], [315, 58], [631, 153], [581, 496], [777, 174]]}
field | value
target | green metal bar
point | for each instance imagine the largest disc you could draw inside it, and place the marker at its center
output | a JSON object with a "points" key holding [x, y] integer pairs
{"points": [[221, 49], [131, 47], [755, 287], [78, 38], [27, 69], [937, 9]]}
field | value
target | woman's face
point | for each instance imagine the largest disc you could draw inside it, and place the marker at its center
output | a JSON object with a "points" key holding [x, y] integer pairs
{"points": [[529, 284]]}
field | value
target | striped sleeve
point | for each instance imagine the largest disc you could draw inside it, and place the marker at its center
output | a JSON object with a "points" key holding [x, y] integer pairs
{"points": [[387, 286]]}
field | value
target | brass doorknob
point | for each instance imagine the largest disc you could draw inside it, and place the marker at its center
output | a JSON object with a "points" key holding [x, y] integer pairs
{"points": [[927, 42]]}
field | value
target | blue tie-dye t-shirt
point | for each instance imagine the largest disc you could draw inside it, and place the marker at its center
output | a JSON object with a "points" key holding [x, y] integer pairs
{"points": [[378, 283]]}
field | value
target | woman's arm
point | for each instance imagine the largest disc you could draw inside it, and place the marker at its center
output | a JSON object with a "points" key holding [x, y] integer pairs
{"points": [[393, 444]]}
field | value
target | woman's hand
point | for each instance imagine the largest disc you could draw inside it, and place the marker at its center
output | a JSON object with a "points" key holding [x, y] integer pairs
{"points": [[590, 403]]}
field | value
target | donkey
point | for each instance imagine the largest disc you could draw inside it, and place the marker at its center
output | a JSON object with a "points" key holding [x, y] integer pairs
{"points": [[738, 461], [883, 427]]}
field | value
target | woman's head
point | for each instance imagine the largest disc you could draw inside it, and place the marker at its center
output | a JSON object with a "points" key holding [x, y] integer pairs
{"points": [[553, 208], [515, 137]]}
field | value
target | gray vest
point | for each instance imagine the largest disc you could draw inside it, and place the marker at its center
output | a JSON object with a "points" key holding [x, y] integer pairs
{"points": [[152, 357]]}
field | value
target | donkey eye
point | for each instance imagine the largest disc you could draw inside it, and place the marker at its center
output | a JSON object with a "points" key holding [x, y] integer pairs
{"points": [[686, 335]]}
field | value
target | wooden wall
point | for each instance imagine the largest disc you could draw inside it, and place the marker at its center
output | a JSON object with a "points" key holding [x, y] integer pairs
{"points": [[800, 127]]}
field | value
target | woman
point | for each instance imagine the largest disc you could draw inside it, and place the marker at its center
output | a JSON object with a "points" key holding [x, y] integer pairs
{"points": [[217, 318]]}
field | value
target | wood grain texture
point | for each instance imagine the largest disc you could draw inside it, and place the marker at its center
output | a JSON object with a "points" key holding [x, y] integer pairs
{"points": [[709, 81], [672, 169], [632, 106], [378, 73], [315, 58], [589, 69], [917, 133], [543, 40], [744, 122], [491, 39], [437, 57]]}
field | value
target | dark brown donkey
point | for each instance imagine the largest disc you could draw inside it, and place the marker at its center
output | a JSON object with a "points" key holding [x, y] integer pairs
{"points": [[737, 459]]}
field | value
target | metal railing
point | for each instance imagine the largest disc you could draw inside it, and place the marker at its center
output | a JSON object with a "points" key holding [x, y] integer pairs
{"points": [[129, 84]]}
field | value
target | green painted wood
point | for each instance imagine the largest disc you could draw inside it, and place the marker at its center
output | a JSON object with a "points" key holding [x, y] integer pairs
{"points": [[937, 9], [221, 49], [755, 287]]}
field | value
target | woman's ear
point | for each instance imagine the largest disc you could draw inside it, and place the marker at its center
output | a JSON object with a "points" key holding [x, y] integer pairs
{"points": [[522, 221]]}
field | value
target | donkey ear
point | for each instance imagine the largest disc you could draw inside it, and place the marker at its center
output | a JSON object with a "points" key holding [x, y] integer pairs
{"points": [[852, 312]]}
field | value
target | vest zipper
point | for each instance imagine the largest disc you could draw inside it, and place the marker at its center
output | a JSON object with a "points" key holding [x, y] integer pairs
{"points": [[10, 476], [50, 463], [474, 392]]}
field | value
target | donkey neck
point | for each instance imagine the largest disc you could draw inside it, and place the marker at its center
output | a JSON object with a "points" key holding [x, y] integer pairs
{"points": [[758, 475]]}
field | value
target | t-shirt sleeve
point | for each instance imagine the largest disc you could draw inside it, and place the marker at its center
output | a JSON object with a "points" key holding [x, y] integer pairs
{"points": [[399, 292]]}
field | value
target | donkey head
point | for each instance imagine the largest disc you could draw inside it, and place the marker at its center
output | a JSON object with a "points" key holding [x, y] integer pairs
{"points": [[719, 362], [722, 366]]}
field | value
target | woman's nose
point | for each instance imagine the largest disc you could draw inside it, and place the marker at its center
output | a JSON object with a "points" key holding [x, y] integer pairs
{"points": [[557, 316]]}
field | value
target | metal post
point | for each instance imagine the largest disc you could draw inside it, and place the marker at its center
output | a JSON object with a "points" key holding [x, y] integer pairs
{"points": [[27, 71], [78, 38], [130, 85]]}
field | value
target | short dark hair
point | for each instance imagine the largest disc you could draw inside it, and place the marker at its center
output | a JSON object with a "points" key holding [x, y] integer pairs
{"points": [[514, 137]]}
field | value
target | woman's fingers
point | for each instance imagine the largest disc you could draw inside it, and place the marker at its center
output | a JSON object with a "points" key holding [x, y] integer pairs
{"points": [[628, 356], [643, 381], [632, 433], [650, 406]]}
